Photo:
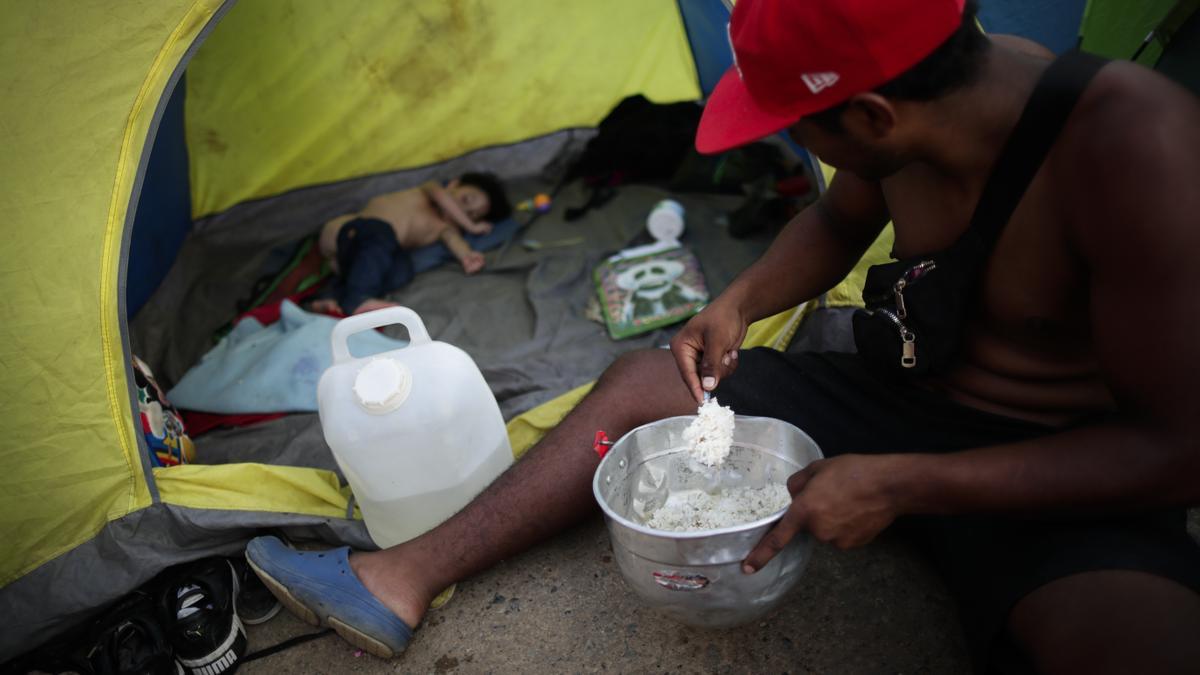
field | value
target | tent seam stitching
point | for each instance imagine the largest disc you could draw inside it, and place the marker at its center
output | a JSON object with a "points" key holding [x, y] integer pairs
{"points": [[154, 75]]}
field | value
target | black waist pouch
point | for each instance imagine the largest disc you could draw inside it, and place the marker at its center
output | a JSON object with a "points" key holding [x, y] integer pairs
{"points": [[915, 312], [917, 308]]}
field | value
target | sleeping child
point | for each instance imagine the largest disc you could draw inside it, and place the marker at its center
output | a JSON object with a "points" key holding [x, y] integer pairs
{"points": [[369, 250]]}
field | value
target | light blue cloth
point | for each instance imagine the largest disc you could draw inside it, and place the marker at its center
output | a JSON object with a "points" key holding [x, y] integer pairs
{"points": [[257, 369]]}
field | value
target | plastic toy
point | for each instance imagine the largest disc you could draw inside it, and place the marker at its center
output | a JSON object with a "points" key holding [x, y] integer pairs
{"points": [[540, 203]]}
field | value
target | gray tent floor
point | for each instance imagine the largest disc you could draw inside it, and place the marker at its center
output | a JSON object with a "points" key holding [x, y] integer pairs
{"points": [[521, 319]]}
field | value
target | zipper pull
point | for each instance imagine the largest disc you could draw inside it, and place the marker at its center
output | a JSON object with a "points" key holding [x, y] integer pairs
{"points": [[898, 289], [919, 270], [908, 356]]}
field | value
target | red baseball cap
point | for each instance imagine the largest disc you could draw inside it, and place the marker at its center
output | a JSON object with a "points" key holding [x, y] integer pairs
{"points": [[792, 58]]}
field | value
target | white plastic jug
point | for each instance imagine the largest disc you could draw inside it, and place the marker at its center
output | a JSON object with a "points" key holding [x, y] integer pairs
{"points": [[416, 431]]}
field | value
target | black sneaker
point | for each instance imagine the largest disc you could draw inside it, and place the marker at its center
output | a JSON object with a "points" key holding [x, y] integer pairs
{"points": [[255, 604], [197, 605], [128, 639]]}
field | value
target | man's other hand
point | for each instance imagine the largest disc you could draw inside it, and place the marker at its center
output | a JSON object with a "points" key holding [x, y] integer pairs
{"points": [[845, 501]]}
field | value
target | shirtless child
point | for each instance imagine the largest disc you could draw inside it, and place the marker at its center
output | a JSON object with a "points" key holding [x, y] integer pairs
{"points": [[369, 249]]}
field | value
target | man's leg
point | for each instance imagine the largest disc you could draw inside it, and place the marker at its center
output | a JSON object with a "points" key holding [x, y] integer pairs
{"points": [[545, 492], [1112, 621]]}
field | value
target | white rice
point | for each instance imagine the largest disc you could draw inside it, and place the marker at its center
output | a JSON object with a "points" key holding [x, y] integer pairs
{"points": [[710, 436], [709, 439], [693, 510]]}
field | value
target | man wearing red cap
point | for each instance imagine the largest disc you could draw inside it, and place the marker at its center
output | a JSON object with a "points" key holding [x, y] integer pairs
{"points": [[1024, 394]]}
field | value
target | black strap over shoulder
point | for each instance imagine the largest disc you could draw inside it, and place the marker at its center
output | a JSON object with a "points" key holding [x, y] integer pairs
{"points": [[917, 308], [1052, 101]]}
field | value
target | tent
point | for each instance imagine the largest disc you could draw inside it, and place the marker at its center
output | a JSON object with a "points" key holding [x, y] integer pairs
{"points": [[113, 157], [93, 121]]}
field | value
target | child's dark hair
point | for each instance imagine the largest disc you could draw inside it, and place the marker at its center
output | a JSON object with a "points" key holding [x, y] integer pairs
{"points": [[498, 206], [956, 63]]}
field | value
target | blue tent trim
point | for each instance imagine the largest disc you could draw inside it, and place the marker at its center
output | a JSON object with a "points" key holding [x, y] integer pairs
{"points": [[164, 209], [705, 22], [1053, 23]]}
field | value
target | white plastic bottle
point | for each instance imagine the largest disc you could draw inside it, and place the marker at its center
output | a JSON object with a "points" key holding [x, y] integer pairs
{"points": [[665, 222], [416, 431]]}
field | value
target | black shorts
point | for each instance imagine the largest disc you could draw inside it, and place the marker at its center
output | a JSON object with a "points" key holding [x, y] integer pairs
{"points": [[988, 562]]}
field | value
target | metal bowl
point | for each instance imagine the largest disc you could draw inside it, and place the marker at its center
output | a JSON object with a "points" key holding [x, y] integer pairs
{"points": [[695, 577]]}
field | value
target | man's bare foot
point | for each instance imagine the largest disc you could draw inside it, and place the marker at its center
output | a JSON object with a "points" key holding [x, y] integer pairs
{"points": [[372, 304], [395, 589], [325, 306]]}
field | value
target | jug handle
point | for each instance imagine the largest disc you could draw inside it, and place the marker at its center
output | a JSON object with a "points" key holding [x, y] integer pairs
{"points": [[379, 318]]}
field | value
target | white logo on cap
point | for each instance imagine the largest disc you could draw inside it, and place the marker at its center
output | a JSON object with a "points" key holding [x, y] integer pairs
{"points": [[729, 36], [819, 81]]}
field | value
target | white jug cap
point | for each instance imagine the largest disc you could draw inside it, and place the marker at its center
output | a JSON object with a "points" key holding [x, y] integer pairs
{"points": [[665, 222], [382, 385]]}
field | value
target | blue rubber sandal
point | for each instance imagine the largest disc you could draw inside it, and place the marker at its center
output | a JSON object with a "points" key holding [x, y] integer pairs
{"points": [[320, 588]]}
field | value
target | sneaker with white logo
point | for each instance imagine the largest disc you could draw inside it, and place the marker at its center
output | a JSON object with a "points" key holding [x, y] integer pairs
{"points": [[197, 606]]}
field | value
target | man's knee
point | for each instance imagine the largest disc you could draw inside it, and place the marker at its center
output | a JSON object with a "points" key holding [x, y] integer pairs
{"points": [[640, 387], [639, 367], [1110, 621]]}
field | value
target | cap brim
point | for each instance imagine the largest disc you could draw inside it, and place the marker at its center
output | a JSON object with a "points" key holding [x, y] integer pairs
{"points": [[731, 118]]}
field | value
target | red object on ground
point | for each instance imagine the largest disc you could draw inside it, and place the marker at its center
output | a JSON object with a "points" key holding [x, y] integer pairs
{"points": [[793, 186], [198, 423]]}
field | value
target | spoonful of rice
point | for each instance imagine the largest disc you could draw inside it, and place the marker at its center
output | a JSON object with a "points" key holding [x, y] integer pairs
{"points": [[709, 437]]}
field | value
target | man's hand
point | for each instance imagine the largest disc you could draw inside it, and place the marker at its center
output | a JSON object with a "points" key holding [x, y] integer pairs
{"points": [[472, 262], [845, 501], [705, 349]]}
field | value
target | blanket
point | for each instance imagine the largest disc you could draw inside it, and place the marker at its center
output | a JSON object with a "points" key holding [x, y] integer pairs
{"points": [[275, 368]]}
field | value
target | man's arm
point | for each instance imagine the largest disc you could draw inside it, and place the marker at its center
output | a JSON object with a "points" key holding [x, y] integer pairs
{"points": [[452, 210], [812, 254], [1132, 214], [1130, 204]]}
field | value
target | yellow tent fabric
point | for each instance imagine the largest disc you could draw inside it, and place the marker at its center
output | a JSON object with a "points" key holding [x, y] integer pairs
{"points": [[849, 292], [84, 82], [253, 487], [81, 82], [368, 87]]}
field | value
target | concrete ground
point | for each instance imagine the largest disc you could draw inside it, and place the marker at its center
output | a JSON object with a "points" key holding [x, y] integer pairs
{"points": [[564, 608]]}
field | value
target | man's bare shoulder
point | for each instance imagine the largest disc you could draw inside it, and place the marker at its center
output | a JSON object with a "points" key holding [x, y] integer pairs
{"points": [[1130, 152], [1134, 112], [1022, 44]]}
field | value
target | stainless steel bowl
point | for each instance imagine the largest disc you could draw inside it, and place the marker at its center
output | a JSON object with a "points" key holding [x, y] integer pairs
{"points": [[696, 577]]}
